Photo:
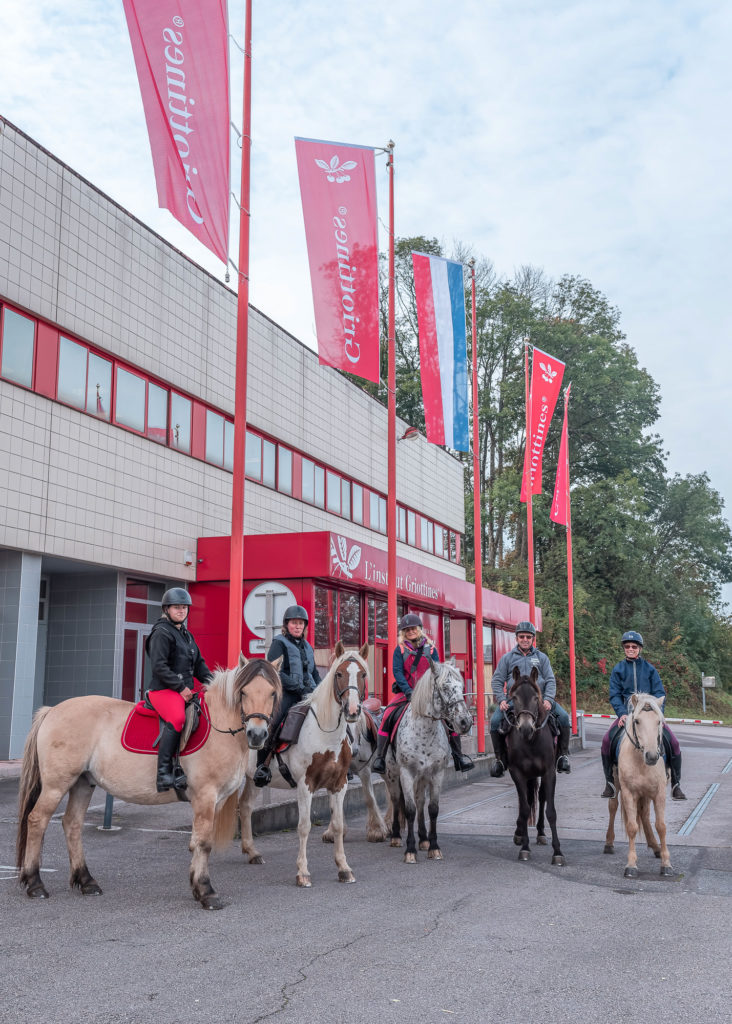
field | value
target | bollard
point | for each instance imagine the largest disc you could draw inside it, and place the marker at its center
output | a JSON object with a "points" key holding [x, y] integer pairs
{"points": [[107, 826]]}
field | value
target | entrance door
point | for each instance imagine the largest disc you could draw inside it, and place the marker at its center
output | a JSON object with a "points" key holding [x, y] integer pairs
{"points": [[380, 684], [136, 671]]}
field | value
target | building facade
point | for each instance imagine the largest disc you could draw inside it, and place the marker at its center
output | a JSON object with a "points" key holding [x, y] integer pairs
{"points": [[116, 437]]}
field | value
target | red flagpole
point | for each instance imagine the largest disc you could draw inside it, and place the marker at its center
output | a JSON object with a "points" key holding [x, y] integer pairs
{"points": [[527, 484], [236, 556], [391, 516], [478, 672], [570, 584]]}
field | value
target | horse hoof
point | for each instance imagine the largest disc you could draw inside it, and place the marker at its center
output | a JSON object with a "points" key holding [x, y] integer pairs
{"points": [[517, 839], [256, 858], [346, 876], [410, 858], [212, 902], [38, 892], [304, 882], [609, 848], [541, 841], [434, 855], [375, 837], [558, 860], [91, 889], [630, 873], [327, 837], [395, 842], [666, 870], [524, 855]]}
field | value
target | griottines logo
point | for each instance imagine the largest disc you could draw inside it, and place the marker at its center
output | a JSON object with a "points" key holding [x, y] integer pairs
{"points": [[335, 169], [345, 561], [178, 113], [547, 374]]}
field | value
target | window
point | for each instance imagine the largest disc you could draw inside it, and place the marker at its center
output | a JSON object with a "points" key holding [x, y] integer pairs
{"points": [[346, 499], [357, 503], [180, 423], [284, 470], [453, 547], [229, 445], [18, 336], [269, 459], [129, 404], [427, 535], [253, 456], [99, 387], [157, 413], [401, 524], [214, 438], [443, 542], [313, 483], [333, 492], [377, 512], [85, 379], [411, 529]]}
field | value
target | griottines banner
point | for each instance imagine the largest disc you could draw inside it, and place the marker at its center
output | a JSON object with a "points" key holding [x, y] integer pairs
{"points": [[338, 189], [546, 381], [181, 50], [560, 502]]}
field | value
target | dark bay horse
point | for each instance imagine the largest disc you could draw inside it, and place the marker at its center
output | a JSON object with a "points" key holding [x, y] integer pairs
{"points": [[531, 762]]}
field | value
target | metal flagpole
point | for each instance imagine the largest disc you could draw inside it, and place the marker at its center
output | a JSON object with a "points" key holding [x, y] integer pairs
{"points": [[478, 673], [527, 484], [570, 580], [236, 556], [391, 516]]}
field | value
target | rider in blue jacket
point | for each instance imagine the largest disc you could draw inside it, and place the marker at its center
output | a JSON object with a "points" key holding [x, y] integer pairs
{"points": [[525, 656], [636, 675]]}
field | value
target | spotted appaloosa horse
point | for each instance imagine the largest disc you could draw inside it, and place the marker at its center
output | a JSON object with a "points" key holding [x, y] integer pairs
{"points": [[416, 769], [320, 759], [641, 781], [531, 762], [76, 746]]}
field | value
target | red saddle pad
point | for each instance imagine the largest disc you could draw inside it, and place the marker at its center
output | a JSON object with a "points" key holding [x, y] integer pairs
{"points": [[143, 727]]}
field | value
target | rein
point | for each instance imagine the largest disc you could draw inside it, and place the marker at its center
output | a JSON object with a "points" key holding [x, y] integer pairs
{"points": [[635, 741], [338, 697], [245, 720], [510, 717]]}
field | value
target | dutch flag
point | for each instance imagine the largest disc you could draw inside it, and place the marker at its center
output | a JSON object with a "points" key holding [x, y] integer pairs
{"points": [[442, 349]]}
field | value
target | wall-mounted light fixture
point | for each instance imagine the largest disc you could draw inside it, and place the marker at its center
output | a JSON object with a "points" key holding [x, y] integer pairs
{"points": [[409, 434]]}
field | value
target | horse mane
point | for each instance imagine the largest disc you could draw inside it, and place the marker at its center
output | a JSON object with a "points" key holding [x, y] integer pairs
{"points": [[229, 682], [328, 710], [423, 692]]}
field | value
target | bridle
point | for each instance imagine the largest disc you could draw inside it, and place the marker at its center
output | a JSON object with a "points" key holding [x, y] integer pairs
{"points": [[634, 738], [245, 719], [339, 694], [448, 706]]}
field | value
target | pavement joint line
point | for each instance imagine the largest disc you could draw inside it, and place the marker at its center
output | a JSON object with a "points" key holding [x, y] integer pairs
{"points": [[688, 826], [727, 767]]}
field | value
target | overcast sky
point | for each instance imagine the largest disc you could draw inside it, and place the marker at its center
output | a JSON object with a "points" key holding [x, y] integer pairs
{"points": [[588, 138]]}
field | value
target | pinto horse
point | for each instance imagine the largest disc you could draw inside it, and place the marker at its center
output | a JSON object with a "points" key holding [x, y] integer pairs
{"points": [[416, 768], [319, 759], [531, 757], [76, 746], [641, 778]]}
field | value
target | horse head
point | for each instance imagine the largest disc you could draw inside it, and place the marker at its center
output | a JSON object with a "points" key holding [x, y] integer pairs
{"points": [[644, 725], [447, 697], [350, 676], [254, 689], [528, 705]]}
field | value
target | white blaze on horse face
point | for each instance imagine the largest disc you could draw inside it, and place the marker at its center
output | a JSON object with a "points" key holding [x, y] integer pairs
{"points": [[353, 706]]}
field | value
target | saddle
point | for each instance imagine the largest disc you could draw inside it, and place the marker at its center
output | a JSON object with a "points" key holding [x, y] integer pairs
{"points": [[142, 730], [290, 727], [393, 715], [372, 715]]}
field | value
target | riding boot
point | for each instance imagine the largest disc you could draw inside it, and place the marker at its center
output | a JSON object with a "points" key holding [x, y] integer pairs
{"points": [[378, 764], [501, 756], [676, 791], [607, 767], [462, 762], [263, 775], [168, 777], [563, 750]]}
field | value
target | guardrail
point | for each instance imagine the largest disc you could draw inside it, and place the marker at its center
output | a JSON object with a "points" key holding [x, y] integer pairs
{"points": [[582, 715]]}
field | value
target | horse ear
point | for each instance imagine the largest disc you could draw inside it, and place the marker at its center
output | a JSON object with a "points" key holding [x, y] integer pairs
{"points": [[534, 674], [364, 652], [453, 662], [435, 666], [339, 648], [516, 673], [242, 659], [634, 698], [661, 701], [277, 663]]}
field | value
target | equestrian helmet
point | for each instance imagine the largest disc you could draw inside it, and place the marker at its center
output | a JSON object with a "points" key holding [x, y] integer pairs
{"points": [[295, 611], [410, 621], [631, 637], [176, 595], [525, 627]]}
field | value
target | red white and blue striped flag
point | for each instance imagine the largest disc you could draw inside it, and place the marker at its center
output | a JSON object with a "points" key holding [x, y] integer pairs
{"points": [[440, 295]]}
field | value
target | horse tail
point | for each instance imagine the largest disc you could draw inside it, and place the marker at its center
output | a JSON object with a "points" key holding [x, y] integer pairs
{"points": [[224, 821], [532, 794], [30, 784]]}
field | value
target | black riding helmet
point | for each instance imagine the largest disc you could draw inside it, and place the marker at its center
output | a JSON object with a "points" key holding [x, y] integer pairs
{"points": [[295, 611], [525, 627], [176, 595], [410, 621], [632, 637]]}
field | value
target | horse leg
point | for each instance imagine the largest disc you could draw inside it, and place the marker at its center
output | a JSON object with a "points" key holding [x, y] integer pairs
{"points": [[659, 806], [246, 804], [204, 812], [397, 807], [410, 812], [435, 853], [540, 833], [337, 824], [424, 843], [549, 784], [37, 823], [73, 822], [612, 807], [645, 823], [522, 822], [304, 802], [631, 827], [376, 829]]}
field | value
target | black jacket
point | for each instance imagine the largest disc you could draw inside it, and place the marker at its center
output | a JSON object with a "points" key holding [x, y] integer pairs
{"points": [[174, 657], [298, 683]]}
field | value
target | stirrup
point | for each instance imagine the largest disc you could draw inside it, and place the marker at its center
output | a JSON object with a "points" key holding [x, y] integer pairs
{"points": [[462, 762], [497, 768], [378, 764], [563, 764], [609, 791], [262, 776], [677, 792]]}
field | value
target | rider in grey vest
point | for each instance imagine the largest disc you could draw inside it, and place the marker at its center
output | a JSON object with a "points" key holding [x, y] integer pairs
{"points": [[298, 674]]}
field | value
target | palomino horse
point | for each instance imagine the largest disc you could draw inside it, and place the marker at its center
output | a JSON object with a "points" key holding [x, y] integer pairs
{"points": [[363, 748], [76, 746], [416, 768], [531, 757], [320, 758], [640, 782]]}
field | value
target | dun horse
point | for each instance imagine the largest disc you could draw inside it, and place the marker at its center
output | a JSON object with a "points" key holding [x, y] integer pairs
{"points": [[640, 782], [76, 746], [320, 759], [531, 758], [415, 770]]}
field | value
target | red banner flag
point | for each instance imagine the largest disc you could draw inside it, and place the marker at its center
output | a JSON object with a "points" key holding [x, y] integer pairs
{"points": [[546, 381], [338, 189], [181, 51], [560, 503]]}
